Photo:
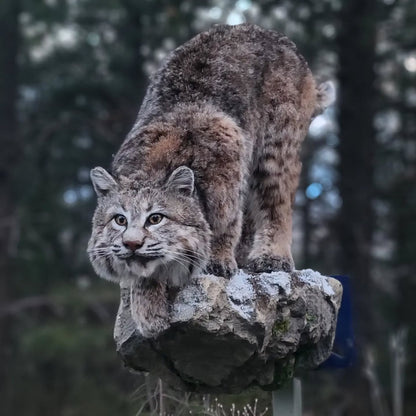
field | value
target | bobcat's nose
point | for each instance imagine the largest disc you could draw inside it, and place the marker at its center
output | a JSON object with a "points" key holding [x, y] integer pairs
{"points": [[133, 245]]}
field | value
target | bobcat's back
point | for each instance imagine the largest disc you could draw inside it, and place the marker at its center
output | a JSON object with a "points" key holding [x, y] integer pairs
{"points": [[239, 69]]}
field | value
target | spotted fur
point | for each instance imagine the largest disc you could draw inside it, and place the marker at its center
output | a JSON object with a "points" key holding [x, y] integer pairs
{"points": [[215, 150]]}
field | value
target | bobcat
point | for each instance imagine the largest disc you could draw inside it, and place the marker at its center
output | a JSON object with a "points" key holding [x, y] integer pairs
{"points": [[206, 178]]}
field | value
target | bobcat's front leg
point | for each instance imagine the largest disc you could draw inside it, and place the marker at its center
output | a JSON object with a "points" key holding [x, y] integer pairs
{"points": [[221, 192], [223, 245], [224, 215], [223, 206]]}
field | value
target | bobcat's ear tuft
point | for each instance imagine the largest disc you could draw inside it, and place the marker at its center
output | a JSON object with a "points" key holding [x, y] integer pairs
{"points": [[182, 180], [102, 181]]}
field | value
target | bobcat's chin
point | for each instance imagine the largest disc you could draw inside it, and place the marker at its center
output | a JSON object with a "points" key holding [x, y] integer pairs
{"points": [[143, 267], [116, 270], [172, 273]]}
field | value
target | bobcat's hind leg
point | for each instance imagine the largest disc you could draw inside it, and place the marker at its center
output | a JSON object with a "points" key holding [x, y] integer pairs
{"points": [[272, 240], [273, 188]]}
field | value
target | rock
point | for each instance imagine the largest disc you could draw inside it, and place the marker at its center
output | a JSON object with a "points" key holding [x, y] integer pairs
{"points": [[218, 335]]}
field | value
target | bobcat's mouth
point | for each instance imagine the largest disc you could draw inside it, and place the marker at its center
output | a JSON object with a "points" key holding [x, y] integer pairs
{"points": [[143, 259]]}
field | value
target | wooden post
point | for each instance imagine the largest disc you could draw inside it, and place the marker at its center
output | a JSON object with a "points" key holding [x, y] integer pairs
{"points": [[398, 352], [288, 401]]}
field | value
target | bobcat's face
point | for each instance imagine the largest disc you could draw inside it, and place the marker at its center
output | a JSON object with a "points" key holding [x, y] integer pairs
{"points": [[156, 232]]}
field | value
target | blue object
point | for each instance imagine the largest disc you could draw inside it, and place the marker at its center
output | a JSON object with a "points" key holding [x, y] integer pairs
{"points": [[343, 352]]}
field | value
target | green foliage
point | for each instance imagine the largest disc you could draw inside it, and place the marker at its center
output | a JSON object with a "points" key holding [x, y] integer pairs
{"points": [[65, 357], [280, 328]]}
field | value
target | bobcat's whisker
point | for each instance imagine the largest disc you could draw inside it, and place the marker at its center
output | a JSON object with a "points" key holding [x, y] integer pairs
{"points": [[153, 251], [185, 262], [191, 254], [94, 250], [195, 260]]}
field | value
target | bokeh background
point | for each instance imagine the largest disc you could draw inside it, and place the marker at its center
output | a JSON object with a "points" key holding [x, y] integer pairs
{"points": [[72, 76]]}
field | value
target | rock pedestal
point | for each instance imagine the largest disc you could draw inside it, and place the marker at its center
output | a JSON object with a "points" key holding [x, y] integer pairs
{"points": [[222, 336]]}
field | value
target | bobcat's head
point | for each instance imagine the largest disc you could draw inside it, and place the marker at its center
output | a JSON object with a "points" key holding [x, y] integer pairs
{"points": [[150, 231]]}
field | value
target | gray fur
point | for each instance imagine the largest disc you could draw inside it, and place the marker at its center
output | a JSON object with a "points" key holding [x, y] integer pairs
{"points": [[215, 149]]}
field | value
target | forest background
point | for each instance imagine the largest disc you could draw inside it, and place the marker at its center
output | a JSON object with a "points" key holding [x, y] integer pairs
{"points": [[72, 76]]}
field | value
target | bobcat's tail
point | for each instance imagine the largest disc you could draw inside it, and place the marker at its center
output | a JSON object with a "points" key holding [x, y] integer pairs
{"points": [[325, 96]]}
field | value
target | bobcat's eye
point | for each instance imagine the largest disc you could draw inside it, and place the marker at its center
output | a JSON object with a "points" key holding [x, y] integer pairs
{"points": [[155, 219], [120, 220]]}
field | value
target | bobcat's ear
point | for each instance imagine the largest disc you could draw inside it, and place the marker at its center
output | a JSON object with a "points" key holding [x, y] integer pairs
{"points": [[182, 180], [102, 181]]}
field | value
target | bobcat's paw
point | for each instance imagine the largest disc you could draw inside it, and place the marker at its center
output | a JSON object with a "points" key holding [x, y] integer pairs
{"points": [[267, 264], [224, 269]]}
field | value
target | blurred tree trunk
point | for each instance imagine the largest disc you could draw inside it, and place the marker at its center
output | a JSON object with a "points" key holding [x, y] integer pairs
{"points": [[9, 10], [357, 97]]}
